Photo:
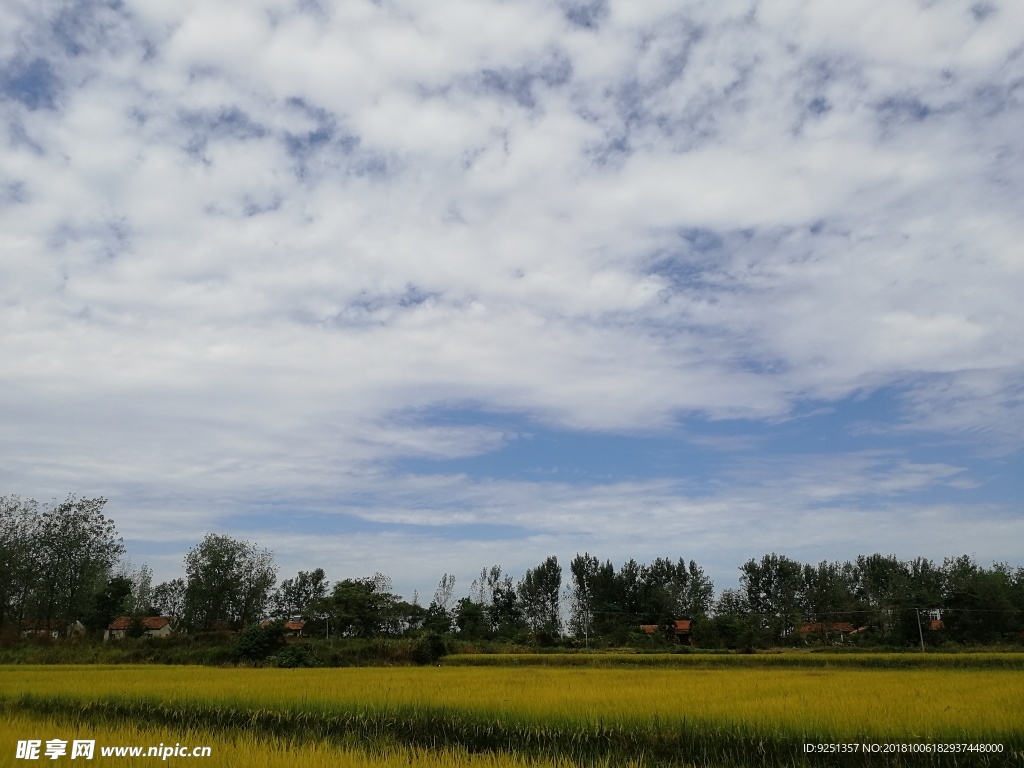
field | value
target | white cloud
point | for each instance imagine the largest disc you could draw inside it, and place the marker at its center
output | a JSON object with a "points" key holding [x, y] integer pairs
{"points": [[242, 238]]}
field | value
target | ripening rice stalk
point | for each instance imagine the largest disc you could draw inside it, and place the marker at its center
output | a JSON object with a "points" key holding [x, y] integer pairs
{"points": [[230, 750], [698, 660], [707, 717], [841, 702]]}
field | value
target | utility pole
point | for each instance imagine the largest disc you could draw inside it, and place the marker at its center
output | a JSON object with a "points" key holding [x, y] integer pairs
{"points": [[920, 631]]}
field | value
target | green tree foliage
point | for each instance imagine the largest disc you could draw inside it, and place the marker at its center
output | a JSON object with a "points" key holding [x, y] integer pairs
{"points": [[439, 615], [169, 598], [18, 522], [539, 593], [228, 581], [257, 642], [295, 597], [878, 582], [978, 604], [113, 601], [732, 624], [497, 593], [827, 594], [472, 620], [429, 648], [919, 589], [772, 587], [54, 559], [677, 589], [366, 608], [612, 605], [141, 602], [595, 605], [77, 548]]}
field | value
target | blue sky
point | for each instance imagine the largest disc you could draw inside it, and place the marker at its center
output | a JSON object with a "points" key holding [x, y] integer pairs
{"points": [[421, 288]]}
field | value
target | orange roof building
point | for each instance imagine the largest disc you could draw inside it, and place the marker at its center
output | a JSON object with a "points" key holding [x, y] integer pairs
{"points": [[152, 626]]}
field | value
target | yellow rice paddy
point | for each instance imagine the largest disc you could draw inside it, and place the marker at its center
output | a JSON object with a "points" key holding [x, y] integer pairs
{"points": [[238, 749], [905, 703]]}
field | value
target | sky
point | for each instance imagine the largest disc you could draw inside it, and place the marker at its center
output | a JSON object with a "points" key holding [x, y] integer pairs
{"points": [[420, 288]]}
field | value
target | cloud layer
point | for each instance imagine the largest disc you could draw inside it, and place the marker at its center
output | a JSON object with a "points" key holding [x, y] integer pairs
{"points": [[248, 248]]}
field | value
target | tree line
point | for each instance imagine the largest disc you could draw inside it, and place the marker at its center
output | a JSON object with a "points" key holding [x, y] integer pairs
{"points": [[898, 602], [64, 562]]}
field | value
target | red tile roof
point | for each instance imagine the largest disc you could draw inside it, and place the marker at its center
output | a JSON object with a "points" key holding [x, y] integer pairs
{"points": [[148, 622], [291, 626], [682, 627], [826, 626]]}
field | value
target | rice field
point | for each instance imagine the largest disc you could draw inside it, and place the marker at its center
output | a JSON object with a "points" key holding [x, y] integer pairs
{"points": [[977, 660], [244, 748], [649, 716]]}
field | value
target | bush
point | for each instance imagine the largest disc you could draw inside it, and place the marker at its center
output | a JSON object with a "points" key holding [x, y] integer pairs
{"points": [[291, 656], [258, 642], [429, 649], [204, 638]]}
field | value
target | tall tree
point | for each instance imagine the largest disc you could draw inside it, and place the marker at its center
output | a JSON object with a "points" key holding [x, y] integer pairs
{"points": [[113, 601], [439, 615], [482, 589], [878, 582], [365, 608], [169, 598], [677, 589], [731, 625], [141, 579], [506, 610], [919, 592], [978, 602], [631, 593], [296, 596], [540, 592], [227, 581], [773, 588], [18, 533], [76, 547], [595, 597], [827, 593], [582, 597], [471, 619]]}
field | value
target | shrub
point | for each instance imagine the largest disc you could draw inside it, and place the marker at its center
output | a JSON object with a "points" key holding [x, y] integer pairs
{"points": [[291, 656], [429, 649], [258, 642]]}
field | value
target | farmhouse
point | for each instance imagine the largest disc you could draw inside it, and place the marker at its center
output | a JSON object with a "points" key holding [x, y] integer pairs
{"points": [[292, 627], [38, 629], [840, 629], [681, 630], [152, 626]]}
